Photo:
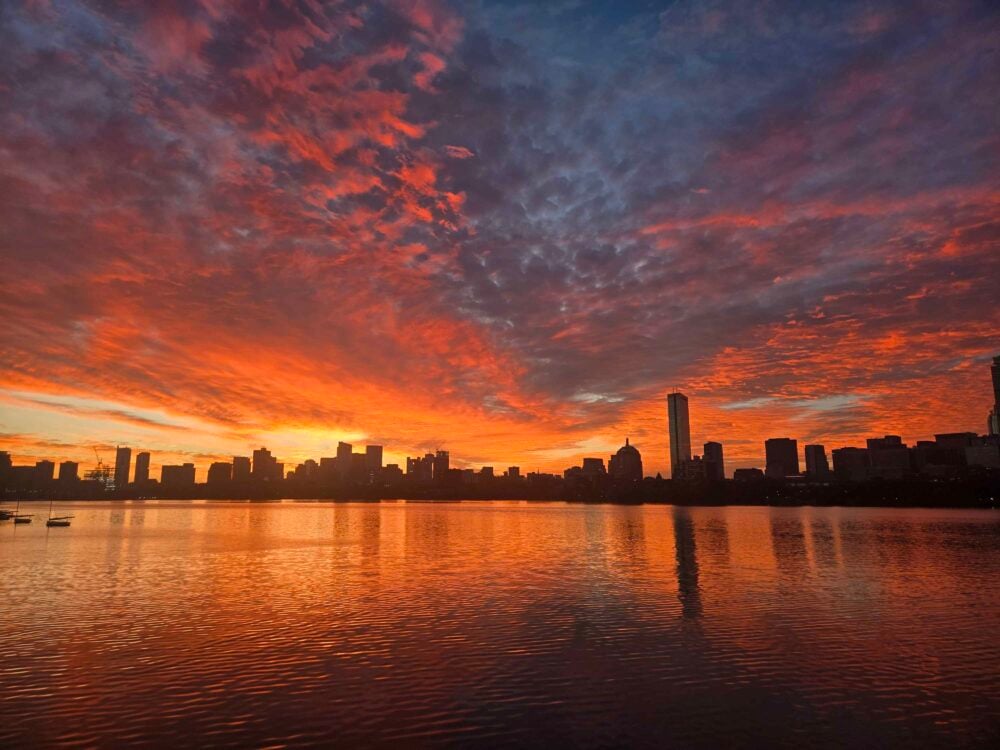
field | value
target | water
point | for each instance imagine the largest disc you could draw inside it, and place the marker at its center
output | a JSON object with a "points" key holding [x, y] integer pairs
{"points": [[535, 625]]}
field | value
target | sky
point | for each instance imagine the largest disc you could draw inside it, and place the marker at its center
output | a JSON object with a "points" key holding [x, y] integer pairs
{"points": [[502, 229]]}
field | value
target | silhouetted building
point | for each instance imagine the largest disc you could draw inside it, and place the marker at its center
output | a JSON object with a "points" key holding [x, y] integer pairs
{"points": [[344, 453], [123, 466], [45, 471], [955, 440], [69, 471], [748, 475], [177, 477], [441, 462], [593, 468], [984, 454], [392, 475], [715, 467], [5, 462], [220, 472], [817, 466], [373, 461], [266, 467], [142, 467], [513, 472], [486, 473], [888, 457], [850, 464], [695, 469], [420, 469], [241, 469], [626, 464], [782, 457], [679, 428], [993, 421]]}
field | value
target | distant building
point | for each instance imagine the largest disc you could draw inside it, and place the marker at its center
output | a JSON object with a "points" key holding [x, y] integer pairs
{"points": [[220, 472], [373, 461], [715, 467], [5, 462], [782, 457], [441, 465], [850, 464], [679, 429], [593, 468], [241, 469], [177, 477], [748, 475], [69, 471], [626, 464], [984, 454], [486, 473], [513, 472], [142, 467], [817, 466], [266, 467], [888, 457], [45, 471], [123, 466], [694, 469], [994, 419], [344, 453]]}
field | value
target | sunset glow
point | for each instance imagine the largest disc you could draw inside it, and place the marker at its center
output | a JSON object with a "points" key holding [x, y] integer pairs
{"points": [[502, 230]]}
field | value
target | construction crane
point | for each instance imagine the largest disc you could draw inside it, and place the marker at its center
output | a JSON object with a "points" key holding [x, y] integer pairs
{"points": [[101, 474]]}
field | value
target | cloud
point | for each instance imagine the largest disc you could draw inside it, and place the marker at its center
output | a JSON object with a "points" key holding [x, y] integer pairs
{"points": [[504, 229]]}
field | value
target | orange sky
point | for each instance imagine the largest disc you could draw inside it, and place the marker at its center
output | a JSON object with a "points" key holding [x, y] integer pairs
{"points": [[499, 232]]}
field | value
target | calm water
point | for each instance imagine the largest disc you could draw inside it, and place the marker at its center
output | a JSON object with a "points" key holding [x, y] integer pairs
{"points": [[419, 624]]}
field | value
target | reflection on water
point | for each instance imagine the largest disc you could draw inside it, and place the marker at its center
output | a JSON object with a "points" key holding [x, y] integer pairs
{"points": [[235, 624]]}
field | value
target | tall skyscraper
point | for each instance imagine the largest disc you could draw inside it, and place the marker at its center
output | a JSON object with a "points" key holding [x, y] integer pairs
{"points": [[344, 452], [442, 463], [142, 467], [241, 468], [123, 465], [715, 467], [817, 465], [373, 460], [994, 419], [69, 471], [680, 432], [782, 457]]}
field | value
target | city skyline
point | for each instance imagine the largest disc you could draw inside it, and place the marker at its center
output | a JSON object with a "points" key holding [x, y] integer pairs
{"points": [[885, 457], [427, 224]]}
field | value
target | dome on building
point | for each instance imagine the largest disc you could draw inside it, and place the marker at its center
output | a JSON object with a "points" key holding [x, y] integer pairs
{"points": [[626, 464]]}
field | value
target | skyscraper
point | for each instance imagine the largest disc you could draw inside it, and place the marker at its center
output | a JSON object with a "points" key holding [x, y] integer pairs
{"points": [[373, 460], [782, 457], [680, 431], [142, 467], [69, 471], [715, 467], [123, 465], [817, 465], [344, 453], [241, 468], [994, 419], [442, 463]]}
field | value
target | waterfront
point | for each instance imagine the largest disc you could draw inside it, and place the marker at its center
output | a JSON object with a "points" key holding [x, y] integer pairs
{"points": [[430, 624]]}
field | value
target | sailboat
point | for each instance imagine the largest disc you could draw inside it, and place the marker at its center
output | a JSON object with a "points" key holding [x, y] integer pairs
{"points": [[56, 520], [18, 518]]}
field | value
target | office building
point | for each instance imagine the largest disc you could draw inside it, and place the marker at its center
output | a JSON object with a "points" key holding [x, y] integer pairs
{"points": [[373, 461], [441, 465], [593, 468], [715, 467], [781, 458], [888, 457], [45, 471], [626, 464], [241, 469], [513, 472], [850, 464], [344, 453], [123, 466], [219, 472], [994, 420], [173, 476], [680, 431], [266, 467], [142, 467], [817, 465], [69, 471], [748, 475]]}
